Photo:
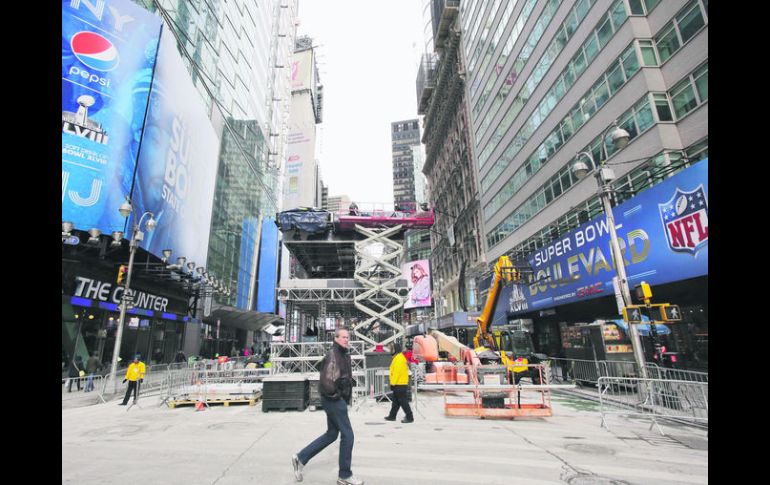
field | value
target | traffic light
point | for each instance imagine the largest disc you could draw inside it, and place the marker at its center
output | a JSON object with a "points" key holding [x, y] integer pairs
{"points": [[672, 313], [643, 291], [632, 314], [122, 271]]}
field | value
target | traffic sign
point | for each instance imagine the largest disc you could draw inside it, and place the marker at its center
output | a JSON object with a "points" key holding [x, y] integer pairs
{"points": [[633, 314]]}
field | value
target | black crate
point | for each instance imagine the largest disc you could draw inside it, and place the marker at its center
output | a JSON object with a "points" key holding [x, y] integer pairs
{"points": [[284, 386], [283, 404]]}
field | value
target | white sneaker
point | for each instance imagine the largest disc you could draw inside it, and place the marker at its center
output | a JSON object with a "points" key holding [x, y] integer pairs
{"points": [[351, 480], [297, 466]]}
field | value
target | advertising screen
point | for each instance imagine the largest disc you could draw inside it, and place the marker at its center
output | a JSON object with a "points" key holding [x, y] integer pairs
{"points": [[268, 266], [417, 275], [178, 162], [108, 54], [663, 234]]}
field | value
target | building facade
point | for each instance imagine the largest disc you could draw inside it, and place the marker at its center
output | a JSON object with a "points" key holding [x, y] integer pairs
{"points": [[547, 80], [404, 135], [457, 253]]}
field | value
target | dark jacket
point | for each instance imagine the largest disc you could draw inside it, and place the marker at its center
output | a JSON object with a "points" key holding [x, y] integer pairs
{"points": [[93, 365], [75, 368], [336, 380]]}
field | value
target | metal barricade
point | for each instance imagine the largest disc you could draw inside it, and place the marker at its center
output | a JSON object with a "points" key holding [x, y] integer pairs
{"points": [[656, 372], [90, 389], [678, 400], [378, 383]]}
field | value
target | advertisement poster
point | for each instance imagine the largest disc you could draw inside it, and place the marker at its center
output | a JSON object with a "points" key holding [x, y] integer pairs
{"points": [[178, 162], [108, 55], [663, 234], [417, 275]]}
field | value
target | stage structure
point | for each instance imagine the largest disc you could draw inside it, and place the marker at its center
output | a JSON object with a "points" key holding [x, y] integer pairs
{"points": [[345, 269]]}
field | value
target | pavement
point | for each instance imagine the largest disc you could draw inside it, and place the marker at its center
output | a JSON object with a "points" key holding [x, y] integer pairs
{"points": [[150, 443]]}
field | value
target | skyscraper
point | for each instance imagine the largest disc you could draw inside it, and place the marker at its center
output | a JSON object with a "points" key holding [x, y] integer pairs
{"points": [[404, 135]]}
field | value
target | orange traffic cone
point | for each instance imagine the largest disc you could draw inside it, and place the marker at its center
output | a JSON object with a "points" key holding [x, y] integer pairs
{"points": [[199, 406]]}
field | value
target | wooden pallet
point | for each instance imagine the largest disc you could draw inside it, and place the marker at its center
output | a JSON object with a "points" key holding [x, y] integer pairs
{"points": [[225, 401]]}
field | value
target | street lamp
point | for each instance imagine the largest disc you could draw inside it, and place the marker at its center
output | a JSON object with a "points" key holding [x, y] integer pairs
{"points": [[136, 237], [604, 175]]}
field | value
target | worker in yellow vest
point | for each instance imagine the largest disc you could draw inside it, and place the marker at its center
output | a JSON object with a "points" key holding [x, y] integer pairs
{"points": [[399, 384], [134, 376]]}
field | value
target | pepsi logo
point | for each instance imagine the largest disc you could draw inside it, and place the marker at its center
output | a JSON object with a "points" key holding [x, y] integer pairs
{"points": [[94, 51]]}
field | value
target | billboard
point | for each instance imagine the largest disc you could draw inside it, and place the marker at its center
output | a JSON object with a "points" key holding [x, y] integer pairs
{"points": [[300, 187], [417, 275], [178, 162], [663, 233], [302, 76], [108, 54], [268, 266]]}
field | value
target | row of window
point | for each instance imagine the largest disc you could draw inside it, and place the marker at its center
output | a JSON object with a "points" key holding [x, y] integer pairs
{"points": [[599, 37], [619, 72], [583, 110], [574, 17], [513, 36], [493, 43], [685, 96], [480, 45], [682, 28], [649, 174], [636, 120], [478, 15]]}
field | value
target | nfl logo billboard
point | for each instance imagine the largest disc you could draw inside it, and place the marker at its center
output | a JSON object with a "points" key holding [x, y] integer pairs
{"points": [[685, 220]]}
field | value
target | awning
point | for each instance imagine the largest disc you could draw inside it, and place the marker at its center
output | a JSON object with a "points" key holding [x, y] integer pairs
{"points": [[243, 319], [644, 328]]}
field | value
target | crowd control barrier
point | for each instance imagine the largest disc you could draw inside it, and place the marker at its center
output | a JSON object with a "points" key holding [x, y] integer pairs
{"points": [[678, 400]]}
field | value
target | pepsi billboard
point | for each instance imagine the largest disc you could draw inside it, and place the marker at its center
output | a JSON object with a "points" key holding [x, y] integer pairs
{"points": [[178, 162], [663, 234], [108, 55]]}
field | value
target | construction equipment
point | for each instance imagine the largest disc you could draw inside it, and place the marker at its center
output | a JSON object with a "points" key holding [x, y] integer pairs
{"points": [[511, 348]]}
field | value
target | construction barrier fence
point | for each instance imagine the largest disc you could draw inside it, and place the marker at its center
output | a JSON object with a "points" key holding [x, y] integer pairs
{"points": [[677, 400]]}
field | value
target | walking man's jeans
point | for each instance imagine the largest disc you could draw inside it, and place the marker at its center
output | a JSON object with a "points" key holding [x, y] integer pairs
{"points": [[337, 422], [400, 399], [89, 383]]}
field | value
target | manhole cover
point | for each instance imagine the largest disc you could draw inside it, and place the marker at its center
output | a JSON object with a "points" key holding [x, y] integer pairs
{"points": [[594, 480], [590, 449]]}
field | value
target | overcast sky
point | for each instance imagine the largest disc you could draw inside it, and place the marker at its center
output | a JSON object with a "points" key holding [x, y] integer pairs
{"points": [[368, 57]]}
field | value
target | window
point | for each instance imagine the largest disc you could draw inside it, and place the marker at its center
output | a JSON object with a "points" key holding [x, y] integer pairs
{"points": [[667, 42], [701, 76], [591, 47], [636, 7], [604, 32], [615, 77], [690, 21], [662, 107], [648, 53], [683, 98]]}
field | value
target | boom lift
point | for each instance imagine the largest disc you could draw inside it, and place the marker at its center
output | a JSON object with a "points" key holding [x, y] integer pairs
{"points": [[513, 349]]}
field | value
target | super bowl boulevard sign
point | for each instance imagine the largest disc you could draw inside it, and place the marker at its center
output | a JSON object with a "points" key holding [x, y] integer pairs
{"points": [[178, 161], [108, 55], [663, 234]]}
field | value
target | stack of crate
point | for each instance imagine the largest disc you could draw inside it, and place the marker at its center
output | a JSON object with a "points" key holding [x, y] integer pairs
{"points": [[282, 392]]}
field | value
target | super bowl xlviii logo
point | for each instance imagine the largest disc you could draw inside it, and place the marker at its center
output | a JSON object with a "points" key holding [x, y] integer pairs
{"points": [[78, 124], [685, 219]]}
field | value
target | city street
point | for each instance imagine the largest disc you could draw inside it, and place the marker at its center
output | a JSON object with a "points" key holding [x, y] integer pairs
{"points": [[108, 444]]}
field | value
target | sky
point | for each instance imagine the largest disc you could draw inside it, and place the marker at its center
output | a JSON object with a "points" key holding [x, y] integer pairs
{"points": [[368, 56]]}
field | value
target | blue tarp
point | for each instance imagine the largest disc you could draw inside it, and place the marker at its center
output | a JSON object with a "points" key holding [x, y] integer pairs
{"points": [[644, 328], [305, 219]]}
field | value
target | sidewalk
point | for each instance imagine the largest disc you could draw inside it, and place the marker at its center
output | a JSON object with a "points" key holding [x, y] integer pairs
{"points": [[106, 444]]}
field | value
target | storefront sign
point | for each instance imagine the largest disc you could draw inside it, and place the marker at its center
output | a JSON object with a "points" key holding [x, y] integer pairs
{"points": [[108, 292]]}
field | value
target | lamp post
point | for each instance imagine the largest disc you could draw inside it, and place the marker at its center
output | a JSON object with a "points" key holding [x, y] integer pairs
{"points": [[136, 237], [604, 175]]}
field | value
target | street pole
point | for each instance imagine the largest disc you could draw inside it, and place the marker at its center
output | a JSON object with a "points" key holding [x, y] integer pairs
{"points": [[620, 268], [123, 300]]}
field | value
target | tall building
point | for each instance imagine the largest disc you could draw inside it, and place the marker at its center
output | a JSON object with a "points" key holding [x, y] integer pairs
{"points": [[337, 203], [449, 165], [404, 135], [212, 145], [547, 80]]}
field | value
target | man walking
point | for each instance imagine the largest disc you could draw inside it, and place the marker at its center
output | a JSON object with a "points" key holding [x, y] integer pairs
{"points": [[399, 384], [93, 365], [335, 387], [134, 373]]}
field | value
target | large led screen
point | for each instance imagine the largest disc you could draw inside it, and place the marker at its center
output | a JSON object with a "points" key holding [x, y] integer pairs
{"points": [[108, 54], [177, 162], [417, 275]]}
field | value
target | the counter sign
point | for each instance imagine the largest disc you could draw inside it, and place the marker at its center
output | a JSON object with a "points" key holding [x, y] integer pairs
{"points": [[685, 220]]}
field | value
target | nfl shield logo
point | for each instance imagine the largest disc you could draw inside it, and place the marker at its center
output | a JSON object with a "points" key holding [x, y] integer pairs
{"points": [[685, 219]]}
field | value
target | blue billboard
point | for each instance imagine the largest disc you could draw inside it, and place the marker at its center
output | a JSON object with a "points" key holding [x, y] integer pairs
{"points": [[663, 234], [178, 161], [108, 54], [268, 266]]}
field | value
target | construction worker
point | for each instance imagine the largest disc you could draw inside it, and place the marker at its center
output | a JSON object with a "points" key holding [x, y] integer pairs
{"points": [[399, 383], [134, 373]]}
